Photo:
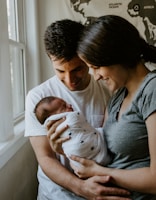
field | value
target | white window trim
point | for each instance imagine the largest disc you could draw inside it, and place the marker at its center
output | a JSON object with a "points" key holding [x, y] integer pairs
{"points": [[5, 82], [9, 148], [12, 136]]}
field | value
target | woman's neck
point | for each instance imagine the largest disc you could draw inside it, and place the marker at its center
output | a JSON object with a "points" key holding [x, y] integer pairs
{"points": [[136, 76]]}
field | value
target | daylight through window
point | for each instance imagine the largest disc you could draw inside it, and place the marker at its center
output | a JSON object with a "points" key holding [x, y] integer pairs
{"points": [[17, 55]]}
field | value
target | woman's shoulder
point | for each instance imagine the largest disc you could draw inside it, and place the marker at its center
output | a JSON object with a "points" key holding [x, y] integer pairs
{"points": [[149, 83]]}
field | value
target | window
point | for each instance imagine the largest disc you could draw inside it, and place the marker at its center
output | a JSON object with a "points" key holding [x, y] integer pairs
{"points": [[15, 53], [17, 56]]}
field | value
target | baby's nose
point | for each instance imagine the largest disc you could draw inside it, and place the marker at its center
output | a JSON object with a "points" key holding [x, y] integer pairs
{"points": [[70, 106]]}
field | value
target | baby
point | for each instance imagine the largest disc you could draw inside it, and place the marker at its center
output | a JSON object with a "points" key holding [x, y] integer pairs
{"points": [[85, 141]]}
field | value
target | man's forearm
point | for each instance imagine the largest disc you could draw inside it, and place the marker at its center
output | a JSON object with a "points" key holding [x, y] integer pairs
{"points": [[52, 167], [60, 175]]}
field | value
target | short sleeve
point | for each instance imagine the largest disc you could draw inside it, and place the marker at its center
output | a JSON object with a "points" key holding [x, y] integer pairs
{"points": [[149, 99]]}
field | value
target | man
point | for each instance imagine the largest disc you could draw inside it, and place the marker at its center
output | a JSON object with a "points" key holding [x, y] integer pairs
{"points": [[73, 83]]}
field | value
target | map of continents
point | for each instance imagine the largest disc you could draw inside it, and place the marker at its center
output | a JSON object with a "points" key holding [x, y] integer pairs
{"points": [[144, 9]]}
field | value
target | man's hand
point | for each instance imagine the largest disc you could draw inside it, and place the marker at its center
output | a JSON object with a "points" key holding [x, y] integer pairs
{"points": [[54, 135]]}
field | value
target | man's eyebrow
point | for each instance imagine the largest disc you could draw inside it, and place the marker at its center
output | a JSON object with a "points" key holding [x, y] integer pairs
{"points": [[77, 68], [60, 70]]}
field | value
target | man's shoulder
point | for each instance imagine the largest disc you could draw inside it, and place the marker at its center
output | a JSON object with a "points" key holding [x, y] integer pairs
{"points": [[46, 84], [44, 89]]}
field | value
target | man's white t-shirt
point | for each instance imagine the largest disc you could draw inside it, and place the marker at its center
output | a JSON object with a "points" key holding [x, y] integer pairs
{"points": [[91, 102]]}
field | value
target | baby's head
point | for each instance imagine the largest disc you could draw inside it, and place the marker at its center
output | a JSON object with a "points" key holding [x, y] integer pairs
{"points": [[49, 106]]}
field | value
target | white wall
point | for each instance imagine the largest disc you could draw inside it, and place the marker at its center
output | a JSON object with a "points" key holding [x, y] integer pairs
{"points": [[18, 177]]}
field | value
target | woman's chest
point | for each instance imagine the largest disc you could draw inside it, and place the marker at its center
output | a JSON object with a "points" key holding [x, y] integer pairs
{"points": [[128, 135]]}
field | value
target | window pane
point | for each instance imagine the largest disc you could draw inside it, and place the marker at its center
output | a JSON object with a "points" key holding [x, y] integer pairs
{"points": [[17, 55], [17, 79], [11, 11]]}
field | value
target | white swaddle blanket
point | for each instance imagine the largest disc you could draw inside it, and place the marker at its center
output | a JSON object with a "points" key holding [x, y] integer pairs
{"points": [[86, 141]]}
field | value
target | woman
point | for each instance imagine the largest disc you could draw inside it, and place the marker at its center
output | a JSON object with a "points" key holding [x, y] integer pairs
{"points": [[113, 48]]}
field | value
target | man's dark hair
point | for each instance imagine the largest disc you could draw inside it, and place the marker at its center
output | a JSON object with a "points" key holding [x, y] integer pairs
{"points": [[61, 39]]}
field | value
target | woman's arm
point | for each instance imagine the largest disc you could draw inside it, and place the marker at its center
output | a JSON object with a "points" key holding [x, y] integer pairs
{"points": [[140, 179], [90, 188]]}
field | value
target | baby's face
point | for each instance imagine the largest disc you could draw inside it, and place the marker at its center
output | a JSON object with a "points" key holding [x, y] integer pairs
{"points": [[60, 106]]}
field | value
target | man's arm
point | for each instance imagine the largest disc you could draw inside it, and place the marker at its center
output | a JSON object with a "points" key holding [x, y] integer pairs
{"points": [[89, 188], [49, 163]]}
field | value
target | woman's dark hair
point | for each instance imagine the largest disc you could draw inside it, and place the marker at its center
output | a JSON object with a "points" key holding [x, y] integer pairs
{"points": [[113, 40]]}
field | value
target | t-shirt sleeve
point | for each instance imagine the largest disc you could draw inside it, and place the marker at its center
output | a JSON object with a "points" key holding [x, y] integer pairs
{"points": [[147, 97], [149, 102], [32, 125]]}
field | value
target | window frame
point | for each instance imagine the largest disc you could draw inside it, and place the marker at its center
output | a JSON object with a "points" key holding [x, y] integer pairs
{"points": [[12, 130], [17, 44]]}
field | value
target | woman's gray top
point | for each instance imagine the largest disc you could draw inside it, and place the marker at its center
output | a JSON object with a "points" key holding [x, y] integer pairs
{"points": [[127, 137]]}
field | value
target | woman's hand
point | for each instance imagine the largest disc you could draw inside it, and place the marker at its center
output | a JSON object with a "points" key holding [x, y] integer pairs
{"points": [[86, 169], [54, 135]]}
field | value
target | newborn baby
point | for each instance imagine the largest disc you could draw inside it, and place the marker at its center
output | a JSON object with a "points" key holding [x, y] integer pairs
{"points": [[85, 141]]}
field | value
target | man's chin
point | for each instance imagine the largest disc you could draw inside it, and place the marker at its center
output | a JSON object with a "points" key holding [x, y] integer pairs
{"points": [[74, 88]]}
